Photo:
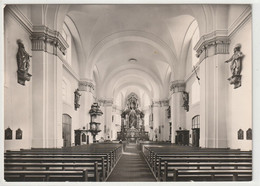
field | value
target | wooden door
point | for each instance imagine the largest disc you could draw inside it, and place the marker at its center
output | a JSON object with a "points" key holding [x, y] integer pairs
{"points": [[66, 130], [196, 137]]}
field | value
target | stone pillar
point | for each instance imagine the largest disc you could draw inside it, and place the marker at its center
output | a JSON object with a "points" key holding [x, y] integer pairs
{"points": [[86, 88], [212, 51], [107, 106], [177, 109], [165, 122], [160, 114], [47, 45], [156, 120]]}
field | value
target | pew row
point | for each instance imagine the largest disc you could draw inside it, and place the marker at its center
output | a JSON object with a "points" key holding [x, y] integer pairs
{"points": [[199, 165], [53, 165]]}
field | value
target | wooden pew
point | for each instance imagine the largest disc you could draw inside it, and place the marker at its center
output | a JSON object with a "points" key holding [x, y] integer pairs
{"points": [[233, 162], [166, 169], [212, 175], [63, 164], [18, 164]]}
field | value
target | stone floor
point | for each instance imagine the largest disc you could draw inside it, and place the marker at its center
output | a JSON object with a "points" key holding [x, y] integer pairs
{"points": [[131, 167]]}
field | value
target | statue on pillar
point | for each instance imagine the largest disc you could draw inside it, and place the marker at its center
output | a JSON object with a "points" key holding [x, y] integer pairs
{"points": [[236, 66], [23, 59], [185, 96], [76, 98]]}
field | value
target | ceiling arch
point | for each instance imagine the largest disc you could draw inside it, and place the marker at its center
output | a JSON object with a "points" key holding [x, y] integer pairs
{"points": [[131, 77], [127, 36]]}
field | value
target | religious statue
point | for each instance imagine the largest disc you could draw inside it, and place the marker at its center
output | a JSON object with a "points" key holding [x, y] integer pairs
{"points": [[185, 96], [76, 99], [23, 59], [236, 66]]}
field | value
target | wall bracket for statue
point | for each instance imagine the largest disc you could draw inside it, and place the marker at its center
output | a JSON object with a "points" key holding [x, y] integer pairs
{"points": [[23, 59], [236, 67]]}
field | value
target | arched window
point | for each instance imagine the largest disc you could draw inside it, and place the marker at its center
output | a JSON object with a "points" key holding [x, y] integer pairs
{"points": [[196, 122]]}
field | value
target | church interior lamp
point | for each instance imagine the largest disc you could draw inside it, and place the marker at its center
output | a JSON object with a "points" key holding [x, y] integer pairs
{"points": [[94, 124]]}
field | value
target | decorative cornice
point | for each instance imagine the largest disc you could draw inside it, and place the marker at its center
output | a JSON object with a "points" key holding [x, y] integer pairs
{"points": [[240, 21], [85, 85], [216, 42], [42, 37], [20, 18], [177, 86], [105, 102]]}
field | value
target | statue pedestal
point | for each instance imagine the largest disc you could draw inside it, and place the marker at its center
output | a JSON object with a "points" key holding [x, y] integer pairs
{"points": [[236, 80], [23, 76]]}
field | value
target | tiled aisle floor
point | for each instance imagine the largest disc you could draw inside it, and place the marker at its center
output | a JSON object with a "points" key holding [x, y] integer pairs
{"points": [[131, 167]]}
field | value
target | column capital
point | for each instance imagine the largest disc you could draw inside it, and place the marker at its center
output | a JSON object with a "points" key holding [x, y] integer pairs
{"points": [[214, 43], [106, 102], [43, 38], [161, 103], [86, 85], [177, 86]]}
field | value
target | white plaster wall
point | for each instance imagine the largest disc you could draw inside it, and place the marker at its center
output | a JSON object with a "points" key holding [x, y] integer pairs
{"points": [[194, 109], [74, 58], [17, 98], [68, 108], [25, 10], [240, 99], [235, 11]]}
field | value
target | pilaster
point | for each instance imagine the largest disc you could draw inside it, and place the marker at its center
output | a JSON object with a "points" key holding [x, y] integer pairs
{"points": [[212, 50], [177, 112], [107, 104], [46, 87]]}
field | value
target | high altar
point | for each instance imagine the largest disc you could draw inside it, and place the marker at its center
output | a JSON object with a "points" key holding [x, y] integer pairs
{"points": [[132, 122]]}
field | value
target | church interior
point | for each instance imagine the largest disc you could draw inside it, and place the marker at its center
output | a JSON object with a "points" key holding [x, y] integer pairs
{"points": [[127, 92]]}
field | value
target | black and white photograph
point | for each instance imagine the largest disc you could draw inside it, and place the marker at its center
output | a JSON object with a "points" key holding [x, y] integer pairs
{"points": [[127, 92]]}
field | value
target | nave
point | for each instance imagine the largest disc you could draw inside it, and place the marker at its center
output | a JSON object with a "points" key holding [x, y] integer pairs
{"points": [[127, 92], [144, 162]]}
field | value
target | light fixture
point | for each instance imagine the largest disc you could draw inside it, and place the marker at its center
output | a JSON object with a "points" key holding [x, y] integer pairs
{"points": [[132, 60]]}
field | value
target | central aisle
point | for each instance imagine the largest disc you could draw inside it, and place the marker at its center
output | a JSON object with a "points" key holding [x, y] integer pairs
{"points": [[131, 167]]}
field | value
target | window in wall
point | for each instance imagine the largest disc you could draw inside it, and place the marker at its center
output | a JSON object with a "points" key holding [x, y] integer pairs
{"points": [[195, 39], [196, 122], [67, 36], [195, 92]]}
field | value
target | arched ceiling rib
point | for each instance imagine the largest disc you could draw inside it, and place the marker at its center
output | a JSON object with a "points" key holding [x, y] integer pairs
{"points": [[107, 36]]}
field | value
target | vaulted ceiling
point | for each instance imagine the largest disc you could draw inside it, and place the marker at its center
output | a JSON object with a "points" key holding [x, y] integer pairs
{"points": [[141, 46]]}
